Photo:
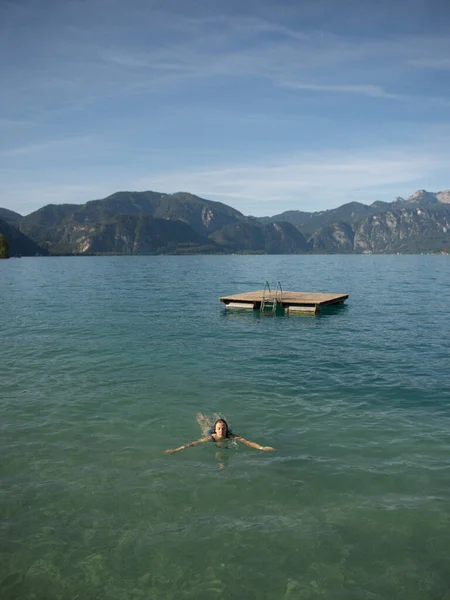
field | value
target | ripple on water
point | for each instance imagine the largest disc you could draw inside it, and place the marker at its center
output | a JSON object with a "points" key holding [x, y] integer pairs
{"points": [[107, 366]]}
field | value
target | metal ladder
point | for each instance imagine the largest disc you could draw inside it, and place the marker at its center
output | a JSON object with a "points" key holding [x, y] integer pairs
{"points": [[272, 301], [265, 302], [279, 298]]}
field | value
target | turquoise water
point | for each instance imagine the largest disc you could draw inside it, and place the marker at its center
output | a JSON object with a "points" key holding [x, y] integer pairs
{"points": [[105, 363]]}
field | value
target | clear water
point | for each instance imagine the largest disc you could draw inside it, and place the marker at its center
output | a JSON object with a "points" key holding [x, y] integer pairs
{"points": [[105, 363]]}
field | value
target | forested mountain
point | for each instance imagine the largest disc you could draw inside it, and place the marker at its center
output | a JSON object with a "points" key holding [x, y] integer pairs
{"points": [[158, 223], [71, 228], [134, 234], [10, 216], [310, 222], [19, 244], [273, 238], [419, 223]]}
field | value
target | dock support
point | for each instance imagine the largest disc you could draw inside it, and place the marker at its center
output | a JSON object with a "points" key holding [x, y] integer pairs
{"points": [[303, 310], [240, 305]]}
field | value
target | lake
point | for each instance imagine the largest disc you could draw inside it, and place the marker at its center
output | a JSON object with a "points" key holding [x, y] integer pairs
{"points": [[106, 362]]}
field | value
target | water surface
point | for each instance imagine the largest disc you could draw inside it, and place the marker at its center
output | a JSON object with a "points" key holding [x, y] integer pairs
{"points": [[107, 360]]}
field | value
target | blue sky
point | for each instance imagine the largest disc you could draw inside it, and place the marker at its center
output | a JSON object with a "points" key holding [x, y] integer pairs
{"points": [[266, 106]]}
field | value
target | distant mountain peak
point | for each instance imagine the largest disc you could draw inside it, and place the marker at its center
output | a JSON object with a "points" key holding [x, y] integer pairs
{"points": [[444, 196], [156, 222], [423, 196], [10, 215]]}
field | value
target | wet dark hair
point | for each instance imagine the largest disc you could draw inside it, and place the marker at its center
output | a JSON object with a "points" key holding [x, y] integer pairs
{"points": [[213, 428]]}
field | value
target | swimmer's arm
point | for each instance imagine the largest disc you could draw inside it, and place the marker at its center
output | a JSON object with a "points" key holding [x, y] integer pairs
{"points": [[253, 444], [205, 439]]}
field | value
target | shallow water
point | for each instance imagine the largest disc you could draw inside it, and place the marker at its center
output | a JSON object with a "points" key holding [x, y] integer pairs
{"points": [[106, 362]]}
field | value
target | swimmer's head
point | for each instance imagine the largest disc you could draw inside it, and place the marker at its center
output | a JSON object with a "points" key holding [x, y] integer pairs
{"points": [[221, 428]]}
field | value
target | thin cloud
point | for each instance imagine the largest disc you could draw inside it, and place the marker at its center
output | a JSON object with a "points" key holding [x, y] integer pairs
{"points": [[305, 181], [291, 60], [432, 63], [27, 197], [45, 146], [6, 124], [373, 91], [207, 49], [147, 76]]}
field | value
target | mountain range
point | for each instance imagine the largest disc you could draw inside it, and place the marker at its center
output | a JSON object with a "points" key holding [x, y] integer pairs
{"points": [[158, 223]]}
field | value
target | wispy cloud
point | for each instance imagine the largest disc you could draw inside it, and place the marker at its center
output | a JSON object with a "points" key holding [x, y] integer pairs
{"points": [[307, 181], [301, 181], [45, 146], [29, 196], [315, 61], [374, 91], [8, 124], [78, 67], [432, 63], [163, 90]]}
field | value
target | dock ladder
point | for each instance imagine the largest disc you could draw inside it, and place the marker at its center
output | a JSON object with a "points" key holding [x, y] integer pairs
{"points": [[279, 294], [272, 301]]}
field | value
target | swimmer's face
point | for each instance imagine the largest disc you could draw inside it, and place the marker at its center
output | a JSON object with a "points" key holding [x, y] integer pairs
{"points": [[221, 429]]}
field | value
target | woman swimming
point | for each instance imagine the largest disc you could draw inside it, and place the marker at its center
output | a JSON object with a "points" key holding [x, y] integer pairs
{"points": [[219, 432]]}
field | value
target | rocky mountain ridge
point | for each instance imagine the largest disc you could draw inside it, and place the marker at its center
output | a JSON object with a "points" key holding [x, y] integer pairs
{"points": [[157, 223], [423, 197]]}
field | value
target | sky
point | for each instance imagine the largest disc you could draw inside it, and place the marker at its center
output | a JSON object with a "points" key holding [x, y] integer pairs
{"points": [[264, 105]]}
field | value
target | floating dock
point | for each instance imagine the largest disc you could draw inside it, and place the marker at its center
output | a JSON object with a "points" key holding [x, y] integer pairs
{"points": [[293, 302]]}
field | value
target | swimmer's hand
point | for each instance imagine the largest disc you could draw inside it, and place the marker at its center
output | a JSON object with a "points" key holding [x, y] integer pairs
{"points": [[205, 439], [253, 444]]}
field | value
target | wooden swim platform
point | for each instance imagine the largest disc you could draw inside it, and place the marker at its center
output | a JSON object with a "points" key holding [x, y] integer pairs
{"points": [[292, 302]]}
